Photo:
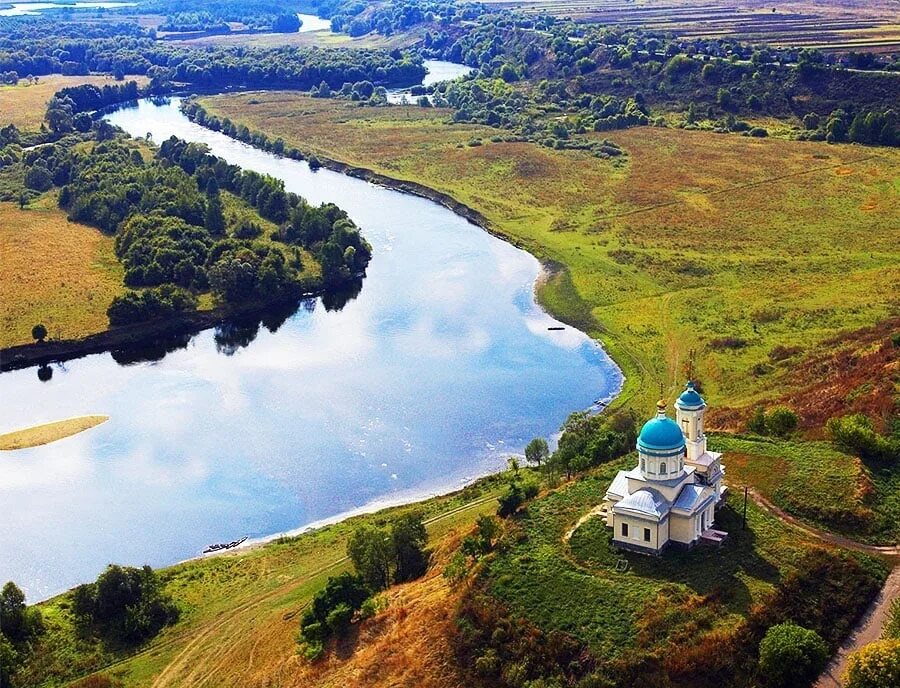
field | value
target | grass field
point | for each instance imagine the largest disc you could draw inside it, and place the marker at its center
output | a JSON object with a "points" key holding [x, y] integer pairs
{"points": [[55, 272], [830, 24], [239, 612], [579, 587], [24, 104], [48, 432], [324, 39], [813, 481], [725, 245]]}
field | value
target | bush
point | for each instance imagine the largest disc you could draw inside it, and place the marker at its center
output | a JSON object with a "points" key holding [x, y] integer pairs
{"points": [[140, 306], [510, 501], [125, 604], [791, 655], [781, 421], [877, 665], [856, 434], [331, 611]]}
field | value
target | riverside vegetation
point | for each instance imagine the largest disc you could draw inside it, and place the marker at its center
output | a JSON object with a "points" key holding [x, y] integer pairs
{"points": [[778, 287]]}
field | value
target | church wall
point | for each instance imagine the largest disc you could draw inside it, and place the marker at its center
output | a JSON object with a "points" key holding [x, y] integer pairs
{"points": [[681, 528], [659, 532]]}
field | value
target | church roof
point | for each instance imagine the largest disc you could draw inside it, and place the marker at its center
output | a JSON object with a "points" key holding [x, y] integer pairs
{"points": [[691, 498], [690, 399], [646, 501], [619, 486], [661, 434]]}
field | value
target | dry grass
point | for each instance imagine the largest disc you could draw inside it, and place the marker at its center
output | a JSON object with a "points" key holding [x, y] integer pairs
{"points": [[831, 24], [55, 272], [696, 236], [48, 432], [24, 104]]}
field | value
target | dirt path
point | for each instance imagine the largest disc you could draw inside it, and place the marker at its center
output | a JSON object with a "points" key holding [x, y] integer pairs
{"points": [[868, 630], [871, 625], [839, 540]]}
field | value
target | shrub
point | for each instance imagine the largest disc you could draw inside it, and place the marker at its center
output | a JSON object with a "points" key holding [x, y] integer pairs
{"points": [[877, 665], [39, 333], [791, 655], [125, 604], [510, 501], [781, 421], [856, 434], [331, 611], [892, 629]]}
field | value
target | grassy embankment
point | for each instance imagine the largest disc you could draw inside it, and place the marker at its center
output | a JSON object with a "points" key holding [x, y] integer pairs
{"points": [[240, 611], [754, 253], [48, 432], [24, 104]]}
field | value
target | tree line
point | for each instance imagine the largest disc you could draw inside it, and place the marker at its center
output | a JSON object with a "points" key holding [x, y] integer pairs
{"points": [[175, 239]]}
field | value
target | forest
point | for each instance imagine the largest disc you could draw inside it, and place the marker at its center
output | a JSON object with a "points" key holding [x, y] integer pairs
{"points": [[165, 209]]}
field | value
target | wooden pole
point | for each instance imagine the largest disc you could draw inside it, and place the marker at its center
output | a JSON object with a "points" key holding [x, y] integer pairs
{"points": [[744, 524]]}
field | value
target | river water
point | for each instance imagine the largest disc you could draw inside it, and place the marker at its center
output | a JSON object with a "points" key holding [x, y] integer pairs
{"points": [[311, 22], [438, 370], [438, 70]]}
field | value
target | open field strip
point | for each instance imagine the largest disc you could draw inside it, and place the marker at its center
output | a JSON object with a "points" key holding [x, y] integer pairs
{"points": [[24, 104], [48, 432]]}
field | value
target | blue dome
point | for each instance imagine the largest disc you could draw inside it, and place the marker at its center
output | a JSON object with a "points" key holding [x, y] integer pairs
{"points": [[690, 400], [661, 434]]}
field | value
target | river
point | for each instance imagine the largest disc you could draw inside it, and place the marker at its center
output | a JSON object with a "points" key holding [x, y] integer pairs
{"points": [[310, 22], [437, 71], [438, 370]]}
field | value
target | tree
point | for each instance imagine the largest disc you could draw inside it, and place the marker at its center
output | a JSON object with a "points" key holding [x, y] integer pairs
{"points": [[12, 612], [537, 451], [510, 501], [875, 665], [39, 333], [369, 548], [781, 421], [38, 177], [408, 538], [17, 622], [791, 655], [214, 219], [125, 604]]}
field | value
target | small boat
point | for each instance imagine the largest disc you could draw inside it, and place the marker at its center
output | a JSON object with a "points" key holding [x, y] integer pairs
{"points": [[556, 328], [221, 546]]}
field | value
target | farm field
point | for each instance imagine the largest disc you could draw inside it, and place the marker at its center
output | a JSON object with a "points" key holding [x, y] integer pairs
{"points": [[24, 104], [830, 25], [240, 612], [324, 39], [55, 272], [753, 253]]}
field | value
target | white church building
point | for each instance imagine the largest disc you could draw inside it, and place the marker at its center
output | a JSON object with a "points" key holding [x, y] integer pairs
{"points": [[670, 498]]}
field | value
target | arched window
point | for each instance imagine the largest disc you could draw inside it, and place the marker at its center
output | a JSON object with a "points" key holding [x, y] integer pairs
{"points": [[643, 464], [662, 467]]}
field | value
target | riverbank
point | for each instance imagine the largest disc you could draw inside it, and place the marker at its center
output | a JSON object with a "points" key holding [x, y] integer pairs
{"points": [[136, 336], [48, 432], [247, 600], [672, 252]]}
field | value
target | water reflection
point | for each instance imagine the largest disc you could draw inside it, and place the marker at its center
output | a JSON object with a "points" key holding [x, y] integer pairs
{"points": [[429, 376]]}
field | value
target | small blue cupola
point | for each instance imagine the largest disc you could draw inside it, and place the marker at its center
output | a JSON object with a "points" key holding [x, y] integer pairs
{"points": [[690, 399]]}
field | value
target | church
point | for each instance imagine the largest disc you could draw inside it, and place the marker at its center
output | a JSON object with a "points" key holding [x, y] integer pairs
{"points": [[670, 498]]}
